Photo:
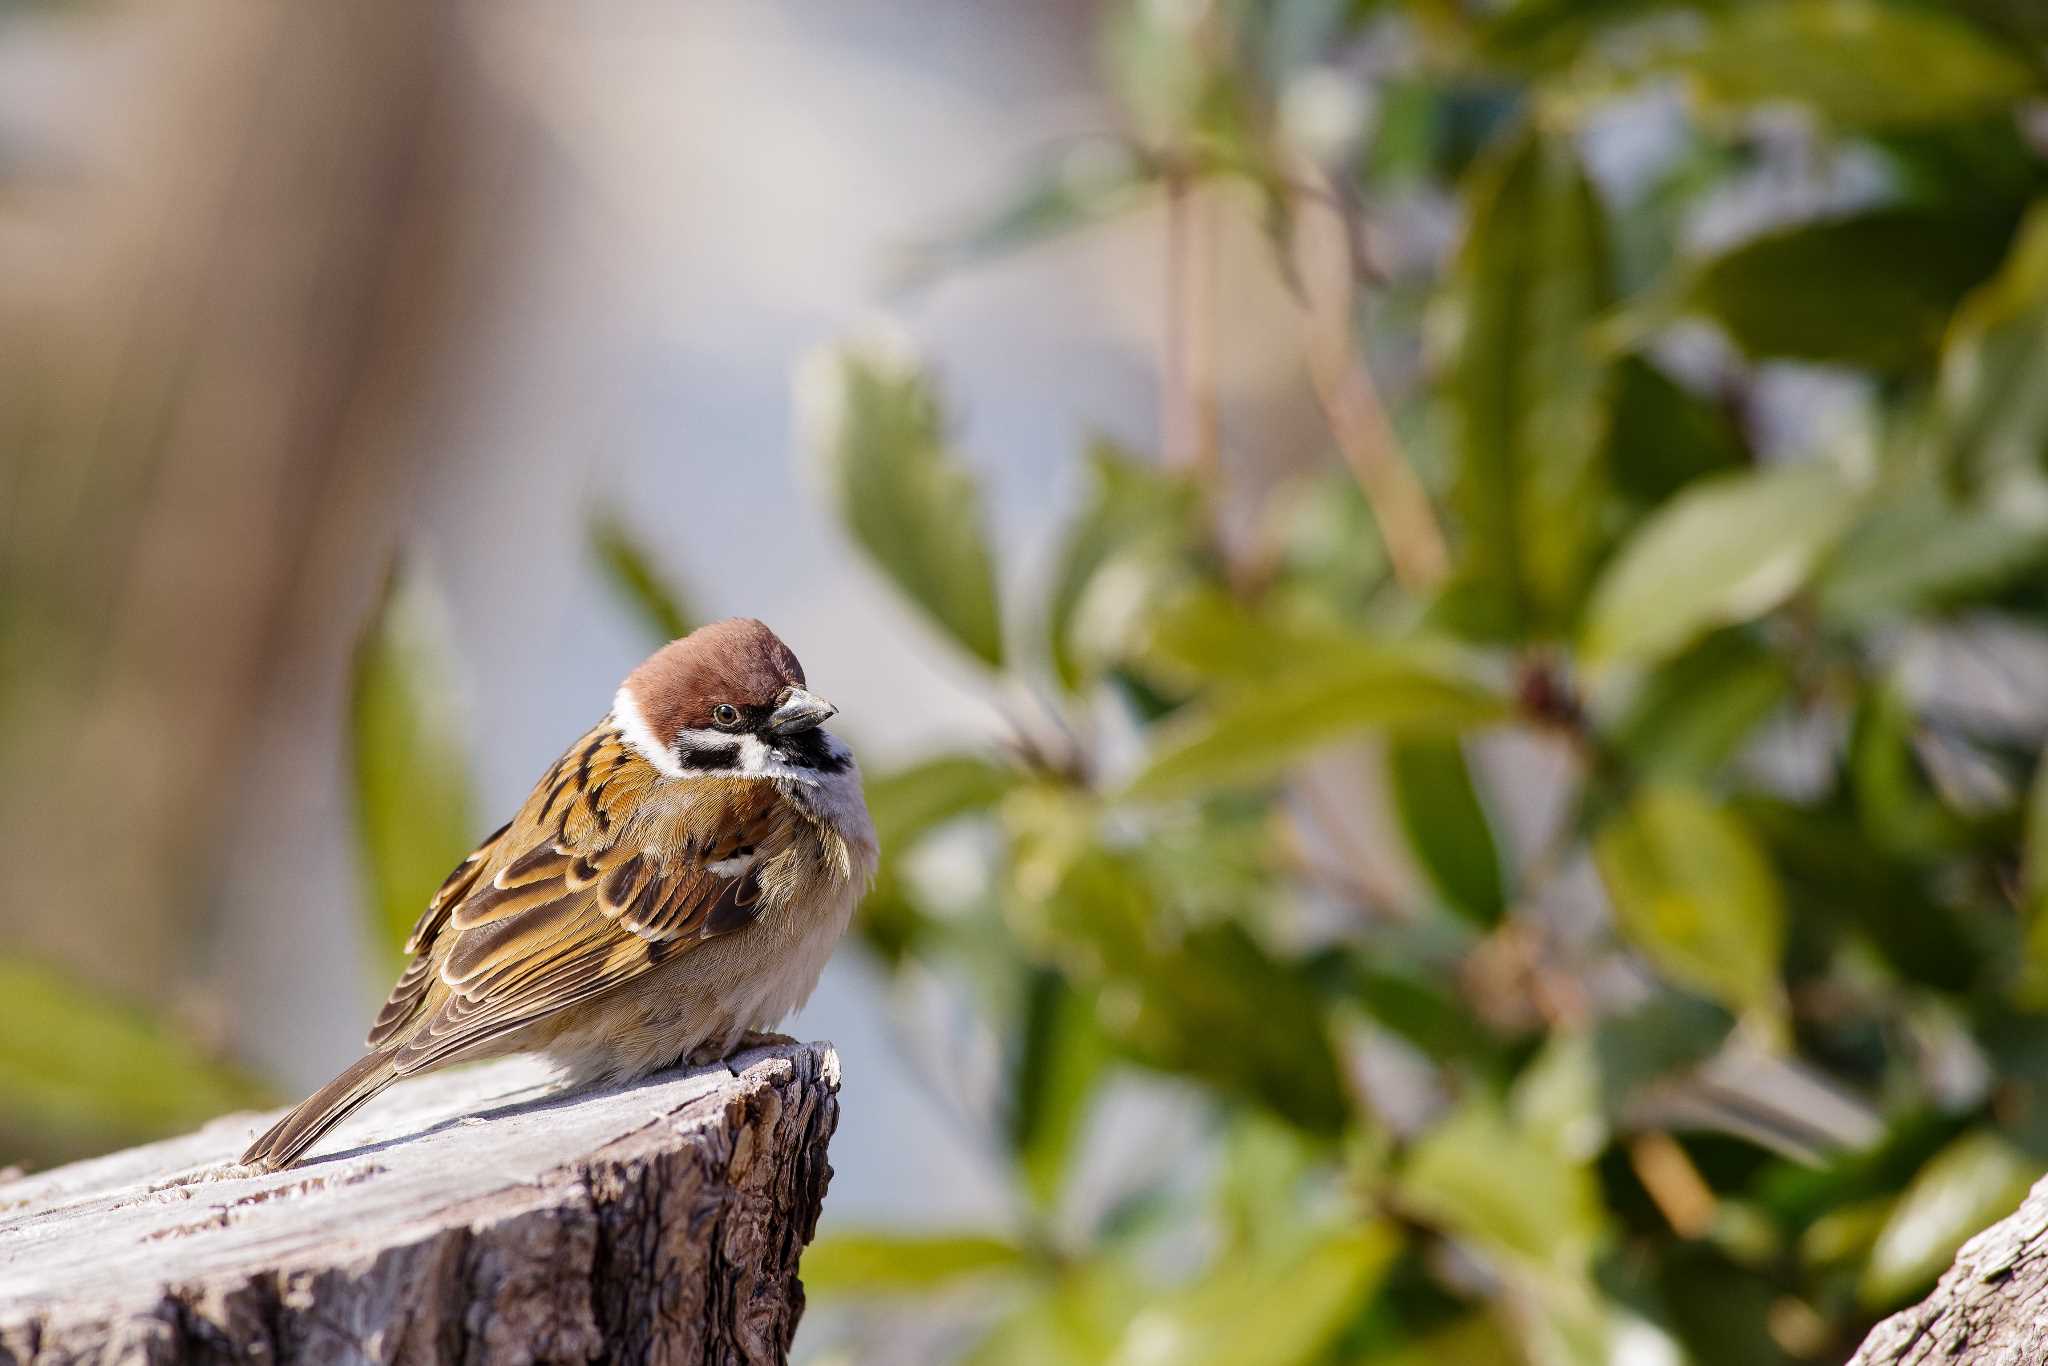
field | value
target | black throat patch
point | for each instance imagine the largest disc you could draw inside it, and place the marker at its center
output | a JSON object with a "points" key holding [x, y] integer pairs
{"points": [[714, 757]]}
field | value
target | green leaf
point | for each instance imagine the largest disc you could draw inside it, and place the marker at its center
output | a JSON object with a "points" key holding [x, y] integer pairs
{"points": [[1695, 893], [1887, 65], [1208, 636], [1253, 734], [1832, 290], [1082, 184], [630, 570], [2031, 990], [907, 498], [1135, 524], [1206, 1001], [1639, 1048], [411, 766], [1484, 1178], [1526, 386], [1922, 550], [1693, 713], [1446, 826], [1079, 1317], [1993, 409], [1229, 1318], [81, 1072], [877, 1262], [1052, 1081], [1894, 799], [1663, 436], [1405, 998], [1975, 1181], [1835, 870], [905, 803], [1727, 550]]}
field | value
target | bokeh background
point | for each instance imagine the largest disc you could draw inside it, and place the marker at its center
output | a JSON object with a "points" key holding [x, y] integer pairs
{"points": [[1441, 601]]}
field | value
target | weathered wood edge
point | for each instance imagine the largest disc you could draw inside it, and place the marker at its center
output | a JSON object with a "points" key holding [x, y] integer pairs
{"points": [[676, 1240], [1990, 1306]]}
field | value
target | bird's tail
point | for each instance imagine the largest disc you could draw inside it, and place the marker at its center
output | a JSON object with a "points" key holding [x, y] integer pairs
{"points": [[302, 1125]]}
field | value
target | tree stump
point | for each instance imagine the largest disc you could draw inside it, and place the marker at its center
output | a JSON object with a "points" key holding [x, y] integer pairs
{"points": [[1990, 1307], [474, 1216]]}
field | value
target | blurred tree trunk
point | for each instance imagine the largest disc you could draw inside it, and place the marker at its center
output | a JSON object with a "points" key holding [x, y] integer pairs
{"points": [[214, 335]]}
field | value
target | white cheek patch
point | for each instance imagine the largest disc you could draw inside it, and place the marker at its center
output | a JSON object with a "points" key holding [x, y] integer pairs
{"points": [[633, 726], [753, 757]]}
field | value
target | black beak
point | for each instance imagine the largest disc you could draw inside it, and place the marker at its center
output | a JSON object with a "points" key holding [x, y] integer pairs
{"points": [[802, 710]]}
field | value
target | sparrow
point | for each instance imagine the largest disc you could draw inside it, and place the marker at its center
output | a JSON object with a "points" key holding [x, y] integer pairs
{"points": [[673, 883]]}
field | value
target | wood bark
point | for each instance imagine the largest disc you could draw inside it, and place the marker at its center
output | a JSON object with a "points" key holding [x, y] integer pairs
{"points": [[477, 1216], [1989, 1309]]}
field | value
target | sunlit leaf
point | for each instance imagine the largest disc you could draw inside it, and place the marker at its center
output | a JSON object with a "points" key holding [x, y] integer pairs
{"points": [[1079, 1317], [906, 496], [1993, 408], [1888, 64], [1726, 550], [878, 1262], [1447, 828], [1695, 894], [1232, 1316], [629, 568], [1253, 734], [80, 1072], [1832, 290], [1208, 636], [1526, 383], [1978, 1179], [1478, 1339], [410, 759], [1480, 1176]]}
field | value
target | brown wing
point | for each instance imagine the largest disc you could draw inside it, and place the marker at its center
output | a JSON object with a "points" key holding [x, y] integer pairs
{"points": [[557, 909], [404, 1001]]}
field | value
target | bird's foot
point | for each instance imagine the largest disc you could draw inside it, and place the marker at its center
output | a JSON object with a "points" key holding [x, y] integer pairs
{"points": [[705, 1054]]}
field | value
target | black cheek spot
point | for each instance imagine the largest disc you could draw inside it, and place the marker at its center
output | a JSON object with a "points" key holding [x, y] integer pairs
{"points": [[713, 757]]}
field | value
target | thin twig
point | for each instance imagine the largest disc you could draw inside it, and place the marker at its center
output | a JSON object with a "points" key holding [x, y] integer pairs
{"points": [[1188, 394], [1325, 269]]}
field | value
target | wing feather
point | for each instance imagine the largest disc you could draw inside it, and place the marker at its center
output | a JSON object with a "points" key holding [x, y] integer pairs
{"points": [[558, 908]]}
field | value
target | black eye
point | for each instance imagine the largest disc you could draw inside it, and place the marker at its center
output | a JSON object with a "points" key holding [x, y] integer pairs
{"points": [[726, 714]]}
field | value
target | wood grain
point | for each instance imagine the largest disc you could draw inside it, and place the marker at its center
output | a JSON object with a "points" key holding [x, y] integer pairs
{"points": [[474, 1216]]}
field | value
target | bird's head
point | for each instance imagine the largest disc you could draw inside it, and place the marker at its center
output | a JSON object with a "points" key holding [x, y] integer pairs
{"points": [[727, 700]]}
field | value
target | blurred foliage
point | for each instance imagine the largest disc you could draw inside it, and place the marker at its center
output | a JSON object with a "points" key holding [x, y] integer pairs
{"points": [[1708, 1035], [629, 567], [1693, 1010], [81, 1072], [411, 757]]}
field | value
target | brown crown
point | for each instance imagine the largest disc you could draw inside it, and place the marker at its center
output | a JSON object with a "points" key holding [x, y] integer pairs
{"points": [[738, 660]]}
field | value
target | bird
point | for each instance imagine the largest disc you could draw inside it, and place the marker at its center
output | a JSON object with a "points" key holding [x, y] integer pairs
{"points": [[675, 882]]}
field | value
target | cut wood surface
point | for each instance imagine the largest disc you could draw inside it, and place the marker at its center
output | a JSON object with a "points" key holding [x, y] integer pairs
{"points": [[473, 1216], [1990, 1307]]}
